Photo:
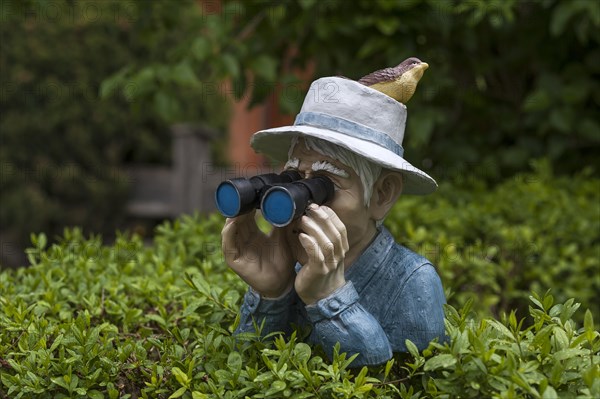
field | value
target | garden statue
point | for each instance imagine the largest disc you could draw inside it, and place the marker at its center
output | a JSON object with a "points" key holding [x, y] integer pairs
{"points": [[330, 264]]}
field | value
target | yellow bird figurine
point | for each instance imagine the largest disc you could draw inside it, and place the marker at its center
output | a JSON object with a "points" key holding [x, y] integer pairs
{"points": [[399, 82]]}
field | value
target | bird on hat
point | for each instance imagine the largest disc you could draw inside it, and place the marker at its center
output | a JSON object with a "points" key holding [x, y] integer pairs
{"points": [[399, 82]]}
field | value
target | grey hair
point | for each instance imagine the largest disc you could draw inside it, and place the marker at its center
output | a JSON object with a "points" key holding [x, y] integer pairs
{"points": [[367, 171]]}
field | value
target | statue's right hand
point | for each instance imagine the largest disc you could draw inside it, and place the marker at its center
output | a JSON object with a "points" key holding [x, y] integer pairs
{"points": [[263, 261]]}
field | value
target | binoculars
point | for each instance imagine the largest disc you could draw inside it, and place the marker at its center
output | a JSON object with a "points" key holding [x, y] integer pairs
{"points": [[282, 198]]}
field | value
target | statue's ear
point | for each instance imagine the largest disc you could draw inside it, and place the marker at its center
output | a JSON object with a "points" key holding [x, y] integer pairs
{"points": [[386, 191]]}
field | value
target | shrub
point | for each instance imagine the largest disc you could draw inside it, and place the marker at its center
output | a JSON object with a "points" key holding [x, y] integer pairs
{"points": [[87, 320], [63, 149], [62, 146], [533, 232]]}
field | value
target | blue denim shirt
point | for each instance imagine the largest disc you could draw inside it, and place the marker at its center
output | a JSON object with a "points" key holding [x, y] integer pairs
{"points": [[391, 294]]}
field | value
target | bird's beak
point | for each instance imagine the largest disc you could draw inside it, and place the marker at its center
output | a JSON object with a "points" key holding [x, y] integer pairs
{"points": [[418, 70]]}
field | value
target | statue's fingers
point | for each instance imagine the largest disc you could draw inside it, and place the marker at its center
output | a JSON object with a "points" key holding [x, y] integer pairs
{"points": [[316, 259], [229, 241], [329, 246], [332, 226], [332, 234]]}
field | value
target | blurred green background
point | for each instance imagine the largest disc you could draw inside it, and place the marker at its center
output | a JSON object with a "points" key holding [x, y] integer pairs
{"points": [[88, 87]]}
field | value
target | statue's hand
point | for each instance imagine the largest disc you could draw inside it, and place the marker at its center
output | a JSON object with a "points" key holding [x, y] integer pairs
{"points": [[325, 242], [263, 261]]}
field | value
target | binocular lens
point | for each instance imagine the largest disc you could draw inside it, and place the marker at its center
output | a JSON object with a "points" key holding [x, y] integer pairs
{"points": [[283, 203], [228, 199], [278, 207], [237, 196]]}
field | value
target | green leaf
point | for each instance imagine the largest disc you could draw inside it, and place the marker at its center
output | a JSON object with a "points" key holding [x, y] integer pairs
{"points": [[561, 16], [537, 101], [387, 25], [512, 320], [501, 328], [302, 352], [201, 48], [231, 65], [291, 95], [265, 67], [588, 321], [166, 106], [440, 362], [264, 377], [57, 342], [234, 362], [94, 394], [307, 4], [60, 381], [42, 241], [561, 339], [184, 75], [567, 353], [178, 393], [361, 377], [162, 322], [276, 387], [111, 85], [548, 301], [388, 367], [412, 348], [549, 393], [560, 120], [180, 376]]}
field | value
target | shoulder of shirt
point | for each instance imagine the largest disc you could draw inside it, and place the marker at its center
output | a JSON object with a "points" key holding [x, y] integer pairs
{"points": [[410, 260], [408, 269], [400, 262], [399, 265], [412, 273]]}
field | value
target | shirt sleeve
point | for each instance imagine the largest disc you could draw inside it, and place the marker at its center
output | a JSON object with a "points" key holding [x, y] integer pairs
{"points": [[341, 318], [417, 313], [274, 315]]}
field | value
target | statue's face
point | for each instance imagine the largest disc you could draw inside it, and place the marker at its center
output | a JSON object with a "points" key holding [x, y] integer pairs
{"points": [[347, 203]]}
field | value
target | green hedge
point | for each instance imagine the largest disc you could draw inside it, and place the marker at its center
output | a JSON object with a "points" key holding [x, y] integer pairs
{"points": [[87, 320], [532, 232]]}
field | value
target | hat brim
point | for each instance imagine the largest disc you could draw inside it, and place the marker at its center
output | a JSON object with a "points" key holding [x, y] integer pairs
{"points": [[275, 143]]}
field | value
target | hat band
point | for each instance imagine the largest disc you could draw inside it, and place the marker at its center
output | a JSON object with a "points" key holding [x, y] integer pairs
{"points": [[349, 128]]}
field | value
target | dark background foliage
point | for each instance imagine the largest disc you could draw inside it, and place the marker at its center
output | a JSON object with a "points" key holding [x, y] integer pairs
{"points": [[508, 81], [63, 147], [89, 86]]}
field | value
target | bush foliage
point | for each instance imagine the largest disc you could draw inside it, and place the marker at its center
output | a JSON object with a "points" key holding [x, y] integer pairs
{"points": [[63, 148], [511, 75], [532, 232], [87, 320]]}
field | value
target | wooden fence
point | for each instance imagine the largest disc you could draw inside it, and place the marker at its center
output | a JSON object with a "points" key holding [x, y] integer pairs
{"points": [[160, 192], [187, 186]]}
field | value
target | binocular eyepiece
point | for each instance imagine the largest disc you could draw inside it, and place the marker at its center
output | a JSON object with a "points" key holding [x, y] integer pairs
{"points": [[283, 203], [282, 198]]}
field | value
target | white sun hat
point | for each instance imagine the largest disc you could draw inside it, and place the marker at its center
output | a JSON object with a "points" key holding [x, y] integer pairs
{"points": [[353, 116]]}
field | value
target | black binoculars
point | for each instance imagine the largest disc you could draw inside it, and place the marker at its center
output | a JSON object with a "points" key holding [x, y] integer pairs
{"points": [[282, 198]]}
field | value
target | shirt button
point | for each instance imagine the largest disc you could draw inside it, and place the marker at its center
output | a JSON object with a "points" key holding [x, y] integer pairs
{"points": [[334, 305]]}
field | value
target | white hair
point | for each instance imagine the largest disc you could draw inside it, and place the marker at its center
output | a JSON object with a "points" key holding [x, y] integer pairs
{"points": [[367, 171]]}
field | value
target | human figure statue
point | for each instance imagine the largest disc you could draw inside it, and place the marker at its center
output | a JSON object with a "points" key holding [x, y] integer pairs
{"points": [[337, 270]]}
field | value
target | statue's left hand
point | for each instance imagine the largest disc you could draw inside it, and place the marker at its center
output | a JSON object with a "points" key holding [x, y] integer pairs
{"points": [[325, 242]]}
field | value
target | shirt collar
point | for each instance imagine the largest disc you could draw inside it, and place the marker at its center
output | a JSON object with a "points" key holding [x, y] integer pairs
{"points": [[365, 266]]}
